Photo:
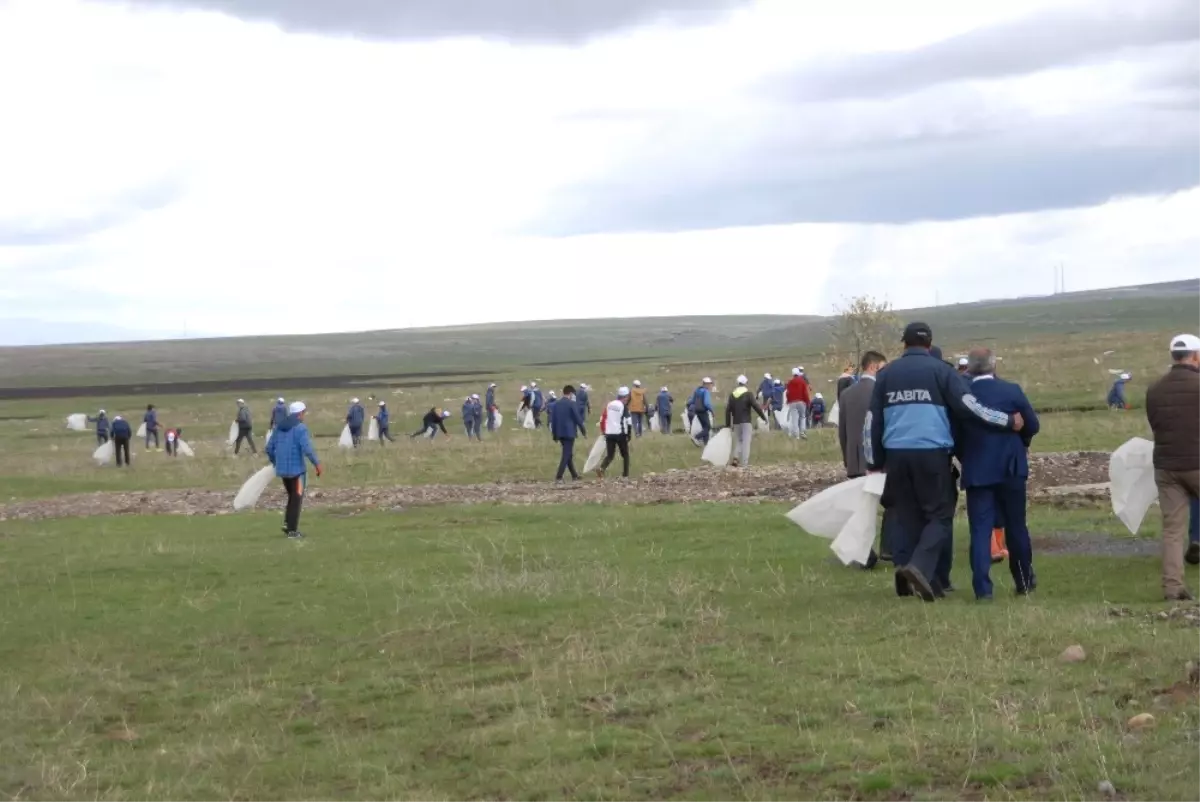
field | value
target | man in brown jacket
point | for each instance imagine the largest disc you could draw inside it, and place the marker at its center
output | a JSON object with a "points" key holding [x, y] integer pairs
{"points": [[637, 407], [1173, 408]]}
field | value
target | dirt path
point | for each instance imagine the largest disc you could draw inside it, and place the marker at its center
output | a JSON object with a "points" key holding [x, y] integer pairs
{"points": [[786, 483]]}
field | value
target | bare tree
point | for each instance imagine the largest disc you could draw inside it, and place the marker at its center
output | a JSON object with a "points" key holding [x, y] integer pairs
{"points": [[863, 324]]}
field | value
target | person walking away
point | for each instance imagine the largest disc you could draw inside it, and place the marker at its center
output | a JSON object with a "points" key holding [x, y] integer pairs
{"points": [[434, 419], [615, 424], [818, 411], [551, 401], [468, 418], [101, 421], [1116, 394], [279, 413], [907, 433], [764, 391], [1173, 409], [151, 421], [585, 404], [287, 450], [702, 408], [526, 401], [845, 381], [245, 428], [355, 416], [477, 415], [664, 403], [797, 399], [384, 419], [637, 407], [537, 402], [490, 404], [739, 412], [778, 394], [855, 403], [566, 421], [995, 472], [122, 433]]}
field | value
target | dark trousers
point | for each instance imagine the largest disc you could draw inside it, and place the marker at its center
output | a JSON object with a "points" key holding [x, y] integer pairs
{"points": [[172, 451], [491, 424], [294, 485], [101, 438], [356, 435], [664, 422], [567, 461], [121, 447], [384, 434], [613, 443], [1194, 521], [920, 491], [982, 505], [639, 419], [537, 418], [705, 427], [247, 435], [149, 434]]}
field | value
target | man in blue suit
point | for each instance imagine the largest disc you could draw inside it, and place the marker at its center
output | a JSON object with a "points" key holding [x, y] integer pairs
{"points": [[566, 422], [995, 469]]}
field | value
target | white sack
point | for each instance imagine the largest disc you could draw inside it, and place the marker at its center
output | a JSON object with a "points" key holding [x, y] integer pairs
{"points": [[105, 453], [845, 514], [832, 418], [761, 424], [719, 447], [233, 433], [77, 422], [1131, 472], [267, 439], [499, 419], [853, 543], [595, 456], [141, 432], [347, 439], [654, 425], [528, 421], [184, 448], [373, 430], [781, 418], [253, 488]]}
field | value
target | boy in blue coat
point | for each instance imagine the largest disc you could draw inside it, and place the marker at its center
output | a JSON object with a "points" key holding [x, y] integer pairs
{"points": [[354, 418], [288, 448], [1116, 395], [384, 418], [995, 470], [151, 421], [101, 421], [566, 422], [702, 408], [664, 403]]}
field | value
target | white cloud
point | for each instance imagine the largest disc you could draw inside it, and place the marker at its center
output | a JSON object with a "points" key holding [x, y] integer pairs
{"points": [[256, 181]]}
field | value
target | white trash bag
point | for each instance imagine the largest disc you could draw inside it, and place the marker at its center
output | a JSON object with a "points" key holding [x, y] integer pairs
{"points": [[844, 514], [1133, 490], [233, 433], [347, 439], [499, 419], [528, 422], [373, 430], [781, 418], [267, 439], [141, 432], [105, 453], [595, 456], [853, 543], [184, 449], [719, 448], [761, 424], [654, 424], [77, 422], [253, 488], [832, 418]]}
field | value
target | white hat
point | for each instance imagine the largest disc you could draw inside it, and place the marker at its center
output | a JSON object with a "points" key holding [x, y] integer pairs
{"points": [[962, 361], [523, 388], [383, 403], [622, 391], [742, 380], [664, 389], [552, 394], [445, 413], [801, 368], [353, 400], [101, 412], [475, 396], [117, 417], [533, 384], [296, 408], [1125, 377], [493, 384], [766, 375], [706, 380], [1185, 342], [241, 400], [637, 383], [279, 400], [819, 395], [777, 381], [796, 371]]}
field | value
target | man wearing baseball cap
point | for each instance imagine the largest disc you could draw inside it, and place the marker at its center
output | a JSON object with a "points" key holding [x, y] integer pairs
{"points": [[907, 433], [287, 450], [740, 410], [1173, 409], [278, 413], [615, 425], [702, 408], [245, 427]]}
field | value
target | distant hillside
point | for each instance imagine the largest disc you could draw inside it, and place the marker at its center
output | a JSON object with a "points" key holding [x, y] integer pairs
{"points": [[426, 354]]}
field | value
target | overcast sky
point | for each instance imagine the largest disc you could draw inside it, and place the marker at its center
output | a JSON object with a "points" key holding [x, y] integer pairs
{"points": [[292, 166]]}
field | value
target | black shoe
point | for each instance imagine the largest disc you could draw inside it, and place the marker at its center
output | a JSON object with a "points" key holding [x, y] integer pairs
{"points": [[1192, 555], [917, 581], [886, 556], [1180, 595], [872, 561], [902, 586]]}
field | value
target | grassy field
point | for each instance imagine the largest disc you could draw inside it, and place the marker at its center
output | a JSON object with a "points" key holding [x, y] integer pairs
{"points": [[699, 651]]}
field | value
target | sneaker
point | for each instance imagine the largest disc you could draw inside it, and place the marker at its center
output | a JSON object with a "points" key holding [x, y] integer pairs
{"points": [[1192, 555], [295, 536]]}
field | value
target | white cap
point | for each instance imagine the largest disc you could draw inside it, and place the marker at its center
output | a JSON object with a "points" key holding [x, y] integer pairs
{"points": [[1185, 342], [766, 375], [962, 361], [296, 408], [664, 389], [796, 371], [706, 380], [353, 400], [552, 394], [1125, 377], [117, 417], [801, 368], [241, 400], [819, 395], [777, 381], [445, 413], [637, 383], [493, 384], [101, 412], [622, 391], [475, 396], [533, 384], [742, 380], [383, 403], [524, 388], [279, 400]]}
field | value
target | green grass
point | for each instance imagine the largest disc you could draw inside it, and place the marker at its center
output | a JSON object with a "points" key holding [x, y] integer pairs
{"points": [[700, 651]]}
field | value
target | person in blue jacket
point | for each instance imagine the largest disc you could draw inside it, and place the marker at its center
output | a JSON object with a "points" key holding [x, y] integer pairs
{"points": [[566, 422], [151, 421], [995, 472], [122, 433], [355, 416], [468, 418], [537, 402], [584, 402], [278, 413], [765, 390], [1116, 394], [816, 410], [101, 421], [663, 403], [778, 392], [490, 405], [702, 409], [287, 450], [384, 419]]}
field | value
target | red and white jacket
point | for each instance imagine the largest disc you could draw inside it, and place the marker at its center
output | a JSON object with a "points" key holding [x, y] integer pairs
{"points": [[615, 420]]}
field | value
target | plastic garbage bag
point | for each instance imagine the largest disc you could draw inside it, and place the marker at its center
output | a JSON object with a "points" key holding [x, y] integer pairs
{"points": [[654, 424], [253, 488], [184, 448], [845, 514], [141, 430], [719, 448], [233, 433], [267, 439], [499, 419], [528, 422], [595, 456], [77, 422], [853, 543], [373, 430], [761, 424], [781, 418], [105, 453], [832, 417], [347, 439], [1133, 490]]}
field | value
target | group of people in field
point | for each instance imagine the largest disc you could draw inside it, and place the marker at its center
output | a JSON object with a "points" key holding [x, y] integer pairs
{"points": [[119, 431]]}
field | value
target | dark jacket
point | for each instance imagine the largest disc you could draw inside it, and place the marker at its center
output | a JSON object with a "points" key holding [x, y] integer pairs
{"points": [[101, 422], [581, 398], [121, 430], [434, 418], [490, 397], [991, 456], [151, 420], [383, 416], [566, 419], [852, 414], [1173, 409], [764, 389], [278, 414], [844, 383], [355, 416], [537, 400], [741, 407], [664, 402], [243, 417], [701, 400], [912, 404], [1116, 394]]}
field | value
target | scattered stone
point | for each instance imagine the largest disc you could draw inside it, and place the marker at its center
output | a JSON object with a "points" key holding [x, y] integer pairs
{"points": [[1120, 612], [1106, 788], [1073, 654], [1141, 721]]}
